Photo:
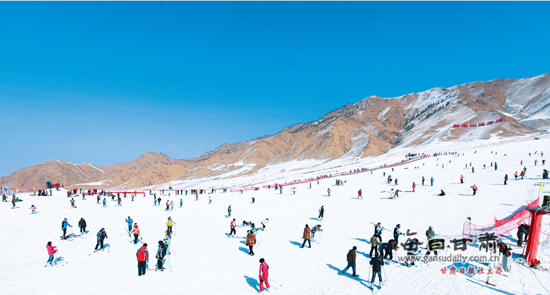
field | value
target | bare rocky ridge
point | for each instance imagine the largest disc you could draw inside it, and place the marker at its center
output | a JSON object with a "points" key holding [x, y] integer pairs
{"points": [[370, 127]]}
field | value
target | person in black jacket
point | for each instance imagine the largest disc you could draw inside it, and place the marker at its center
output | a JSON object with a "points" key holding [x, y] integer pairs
{"points": [[82, 225], [377, 264], [522, 231], [351, 261], [101, 235], [161, 252]]}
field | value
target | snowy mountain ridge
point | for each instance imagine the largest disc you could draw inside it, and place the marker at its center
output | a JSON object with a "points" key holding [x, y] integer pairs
{"points": [[372, 126]]}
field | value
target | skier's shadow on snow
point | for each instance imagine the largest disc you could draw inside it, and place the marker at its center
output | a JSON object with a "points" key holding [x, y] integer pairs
{"points": [[352, 277], [252, 282], [296, 243], [363, 240], [487, 286], [245, 250]]}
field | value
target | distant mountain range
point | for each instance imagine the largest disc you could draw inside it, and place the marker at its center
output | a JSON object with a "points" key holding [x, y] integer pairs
{"points": [[372, 126]]}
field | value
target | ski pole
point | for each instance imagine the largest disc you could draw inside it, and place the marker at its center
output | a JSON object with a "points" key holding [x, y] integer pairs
{"points": [[275, 282]]}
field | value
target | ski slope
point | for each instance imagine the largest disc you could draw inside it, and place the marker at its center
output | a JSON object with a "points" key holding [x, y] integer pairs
{"points": [[206, 261]]}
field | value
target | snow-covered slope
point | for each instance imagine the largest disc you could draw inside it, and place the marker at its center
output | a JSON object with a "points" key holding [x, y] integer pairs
{"points": [[206, 261]]}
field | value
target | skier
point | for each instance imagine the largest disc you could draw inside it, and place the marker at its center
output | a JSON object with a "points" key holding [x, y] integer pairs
{"points": [[64, 225], [13, 202], [414, 186], [142, 257], [104, 202], [209, 200], [314, 230], [169, 224], [374, 241], [430, 234], [167, 241], [233, 228], [351, 261], [130, 223], [378, 231], [135, 231], [264, 223], [119, 201], [505, 178], [461, 179], [33, 209], [101, 236], [229, 211], [360, 194], [167, 205], [432, 181], [72, 203], [516, 175], [181, 202], [264, 273], [392, 194], [321, 213], [423, 180], [98, 198], [307, 236], [251, 241], [495, 166], [396, 233], [51, 252], [474, 188], [442, 193], [161, 252], [82, 225], [253, 200], [377, 264], [328, 190]]}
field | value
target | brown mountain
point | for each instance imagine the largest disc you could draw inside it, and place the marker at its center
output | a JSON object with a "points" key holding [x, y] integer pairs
{"points": [[369, 127]]}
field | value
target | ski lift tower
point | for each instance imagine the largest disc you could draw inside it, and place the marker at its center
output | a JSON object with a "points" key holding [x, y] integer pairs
{"points": [[534, 233]]}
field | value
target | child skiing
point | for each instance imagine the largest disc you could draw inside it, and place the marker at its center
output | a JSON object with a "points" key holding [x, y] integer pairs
{"points": [[51, 252], [33, 209]]}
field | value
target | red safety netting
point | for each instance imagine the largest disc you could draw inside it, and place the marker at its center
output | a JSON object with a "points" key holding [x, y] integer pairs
{"points": [[501, 227]]}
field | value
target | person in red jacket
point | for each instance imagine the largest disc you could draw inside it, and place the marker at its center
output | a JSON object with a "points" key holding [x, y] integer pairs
{"points": [[233, 228], [264, 273], [51, 252], [142, 258]]}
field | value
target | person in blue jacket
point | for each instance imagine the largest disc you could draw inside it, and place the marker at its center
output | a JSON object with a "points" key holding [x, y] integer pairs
{"points": [[130, 223], [64, 225]]}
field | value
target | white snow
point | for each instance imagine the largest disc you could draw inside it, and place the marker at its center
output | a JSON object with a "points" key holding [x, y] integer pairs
{"points": [[206, 261]]}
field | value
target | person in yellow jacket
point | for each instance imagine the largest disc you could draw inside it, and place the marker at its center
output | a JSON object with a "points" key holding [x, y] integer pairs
{"points": [[170, 223]]}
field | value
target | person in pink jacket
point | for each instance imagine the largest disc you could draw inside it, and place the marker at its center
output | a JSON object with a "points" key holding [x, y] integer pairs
{"points": [[264, 273], [51, 252]]}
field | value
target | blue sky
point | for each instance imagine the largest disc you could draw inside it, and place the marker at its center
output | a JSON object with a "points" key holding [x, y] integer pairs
{"points": [[105, 82]]}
